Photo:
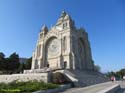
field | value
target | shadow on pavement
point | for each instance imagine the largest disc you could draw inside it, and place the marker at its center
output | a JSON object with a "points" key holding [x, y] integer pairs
{"points": [[121, 90]]}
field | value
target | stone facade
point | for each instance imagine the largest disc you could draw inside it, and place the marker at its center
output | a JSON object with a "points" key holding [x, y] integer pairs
{"points": [[63, 47]]}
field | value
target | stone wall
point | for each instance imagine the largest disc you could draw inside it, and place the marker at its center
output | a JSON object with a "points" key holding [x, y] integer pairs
{"points": [[25, 77]]}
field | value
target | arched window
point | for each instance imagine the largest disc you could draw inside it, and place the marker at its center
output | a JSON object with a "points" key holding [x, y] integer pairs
{"points": [[38, 50], [65, 25], [64, 44], [41, 35]]}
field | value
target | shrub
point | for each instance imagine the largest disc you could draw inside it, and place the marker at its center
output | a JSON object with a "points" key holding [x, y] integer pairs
{"points": [[25, 87]]}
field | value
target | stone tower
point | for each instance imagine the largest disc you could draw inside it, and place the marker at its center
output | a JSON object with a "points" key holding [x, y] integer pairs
{"points": [[63, 47]]}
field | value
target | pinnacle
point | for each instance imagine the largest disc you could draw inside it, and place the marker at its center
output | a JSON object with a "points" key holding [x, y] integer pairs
{"points": [[44, 27], [63, 14]]}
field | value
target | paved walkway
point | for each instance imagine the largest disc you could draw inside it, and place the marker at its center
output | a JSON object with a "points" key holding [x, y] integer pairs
{"points": [[122, 85], [91, 89]]}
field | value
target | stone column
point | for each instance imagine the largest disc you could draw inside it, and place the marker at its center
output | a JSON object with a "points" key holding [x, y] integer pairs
{"points": [[33, 60]]}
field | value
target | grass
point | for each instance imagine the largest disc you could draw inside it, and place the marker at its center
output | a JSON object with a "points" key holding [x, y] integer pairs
{"points": [[25, 87]]}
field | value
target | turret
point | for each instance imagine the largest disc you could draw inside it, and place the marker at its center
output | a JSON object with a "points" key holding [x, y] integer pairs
{"points": [[43, 31]]}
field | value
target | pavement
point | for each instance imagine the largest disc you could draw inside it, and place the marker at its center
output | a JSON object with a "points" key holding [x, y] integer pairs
{"points": [[94, 88], [122, 87]]}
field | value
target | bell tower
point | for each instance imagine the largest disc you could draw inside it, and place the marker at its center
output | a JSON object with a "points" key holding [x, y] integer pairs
{"points": [[64, 21]]}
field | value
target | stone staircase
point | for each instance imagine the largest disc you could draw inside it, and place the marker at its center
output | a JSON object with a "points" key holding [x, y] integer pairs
{"points": [[84, 78], [68, 74]]}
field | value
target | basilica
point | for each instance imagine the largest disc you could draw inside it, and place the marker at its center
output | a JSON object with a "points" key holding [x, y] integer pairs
{"points": [[63, 46], [63, 49]]}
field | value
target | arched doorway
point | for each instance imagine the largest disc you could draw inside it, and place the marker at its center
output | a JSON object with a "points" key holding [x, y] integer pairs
{"points": [[65, 64]]}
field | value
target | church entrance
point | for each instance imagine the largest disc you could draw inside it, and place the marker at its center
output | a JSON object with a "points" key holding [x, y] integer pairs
{"points": [[65, 64]]}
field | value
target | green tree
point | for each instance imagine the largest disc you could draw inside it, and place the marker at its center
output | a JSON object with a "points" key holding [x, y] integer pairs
{"points": [[122, 71], [21, 68], [119, 74], [28, 63], [97, 68], [2, 56], [109, 74], [13, 62], [2, 61]]}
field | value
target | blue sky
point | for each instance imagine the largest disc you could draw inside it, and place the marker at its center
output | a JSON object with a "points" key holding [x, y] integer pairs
{"points": [[104, 20]]}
